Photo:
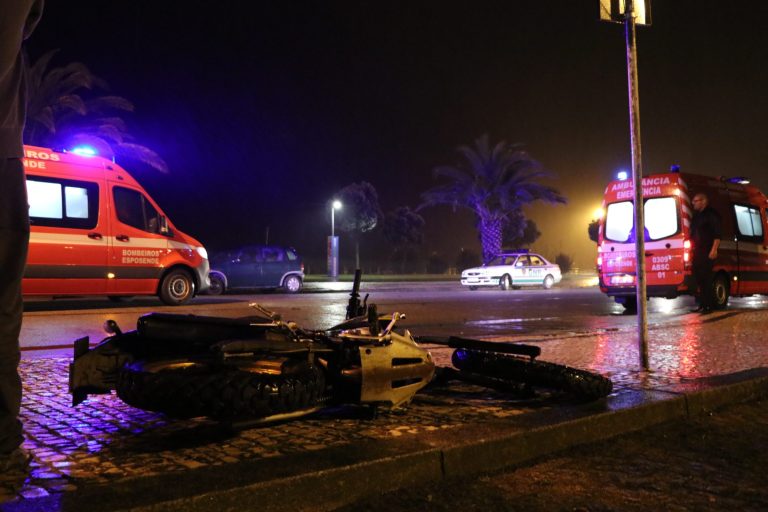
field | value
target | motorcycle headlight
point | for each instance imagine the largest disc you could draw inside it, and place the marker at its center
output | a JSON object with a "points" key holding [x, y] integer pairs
{"points": [[202, 252]]}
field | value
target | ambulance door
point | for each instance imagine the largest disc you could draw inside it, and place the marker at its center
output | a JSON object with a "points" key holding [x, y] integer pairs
{"points": [[751, 252], [664, 242], [68, 238], [136, 247]]}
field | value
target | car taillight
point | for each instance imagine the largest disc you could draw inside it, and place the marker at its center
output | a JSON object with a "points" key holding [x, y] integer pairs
{"points": [[302, 267], [687, 253], [599, 263]]}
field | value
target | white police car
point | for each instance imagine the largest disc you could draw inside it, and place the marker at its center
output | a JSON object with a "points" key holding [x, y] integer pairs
{"points": [[512, 270]]}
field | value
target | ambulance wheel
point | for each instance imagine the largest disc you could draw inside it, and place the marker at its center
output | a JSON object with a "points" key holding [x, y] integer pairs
{"points": [[217, 285], [177, 287], [292, 284], [721, 291], [549, 281], [187, 389], [505, 283]]}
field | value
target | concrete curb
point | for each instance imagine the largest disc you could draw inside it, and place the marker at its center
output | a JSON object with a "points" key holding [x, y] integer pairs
{"points": [[431, 459]]}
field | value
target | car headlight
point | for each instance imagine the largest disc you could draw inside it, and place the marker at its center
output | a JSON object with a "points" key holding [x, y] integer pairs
{"points": [[202, 252]]}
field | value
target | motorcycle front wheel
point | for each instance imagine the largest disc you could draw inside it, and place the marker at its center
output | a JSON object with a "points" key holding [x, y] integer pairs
{"points": [[186, 389], [580, 383]]}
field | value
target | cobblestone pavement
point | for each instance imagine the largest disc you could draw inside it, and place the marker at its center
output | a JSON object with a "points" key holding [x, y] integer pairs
{"points": [[709, 463], [104, 440]]}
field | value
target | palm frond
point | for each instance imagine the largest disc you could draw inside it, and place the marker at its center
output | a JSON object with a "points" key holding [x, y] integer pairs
{"points": [[65, 110], [144, 155]]}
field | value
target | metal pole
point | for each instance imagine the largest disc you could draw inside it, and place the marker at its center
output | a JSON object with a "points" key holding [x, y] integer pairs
{"points": [[333, 210], [637, 174]]}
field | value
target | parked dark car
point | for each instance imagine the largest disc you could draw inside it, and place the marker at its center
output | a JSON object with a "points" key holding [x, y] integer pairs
{"points": [[257, 266]]}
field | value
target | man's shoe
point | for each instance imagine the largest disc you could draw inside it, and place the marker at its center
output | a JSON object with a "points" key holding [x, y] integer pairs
{"points": [[15, 461]]}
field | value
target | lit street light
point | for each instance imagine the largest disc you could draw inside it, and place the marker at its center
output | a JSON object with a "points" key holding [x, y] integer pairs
{"points": [[333, 242], [336, 205]]}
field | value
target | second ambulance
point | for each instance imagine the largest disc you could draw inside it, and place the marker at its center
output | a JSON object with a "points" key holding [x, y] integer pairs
{"points": [[741, 267]]}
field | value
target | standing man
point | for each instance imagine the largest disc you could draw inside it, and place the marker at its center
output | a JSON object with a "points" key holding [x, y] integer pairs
{"points": [[705, 232], [18, 19]]}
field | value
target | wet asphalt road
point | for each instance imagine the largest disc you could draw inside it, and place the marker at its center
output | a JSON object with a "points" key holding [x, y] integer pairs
{"points": [[439, 309]]}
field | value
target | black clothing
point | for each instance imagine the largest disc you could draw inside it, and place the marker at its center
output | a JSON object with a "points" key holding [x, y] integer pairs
{"points": [[17, 20], [704, 276], [705, 229], [14, 237]]}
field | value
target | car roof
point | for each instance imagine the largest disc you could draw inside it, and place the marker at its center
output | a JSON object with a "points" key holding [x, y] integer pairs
{"points": [[520, 253]]}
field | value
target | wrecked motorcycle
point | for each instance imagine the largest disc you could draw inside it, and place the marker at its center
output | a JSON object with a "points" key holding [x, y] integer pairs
{"points": [[263, 368]]}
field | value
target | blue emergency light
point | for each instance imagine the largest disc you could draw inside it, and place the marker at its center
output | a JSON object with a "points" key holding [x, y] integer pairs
{"points": [[84, 151], [622, 175]]}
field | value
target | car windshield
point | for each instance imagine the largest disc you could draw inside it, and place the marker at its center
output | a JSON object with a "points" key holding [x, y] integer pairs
{"points": [[501, 260]]}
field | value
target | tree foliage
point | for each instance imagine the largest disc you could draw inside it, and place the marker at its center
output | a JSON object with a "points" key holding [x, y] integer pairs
{"points": [[494, 182], [360, 211], [565, 262], [65, 110], [520, 232], [593, 230], [403, 229]]}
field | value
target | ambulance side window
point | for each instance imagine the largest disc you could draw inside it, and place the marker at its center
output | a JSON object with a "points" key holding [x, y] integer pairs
{"points": [[135, 210], [749, 222], [62, 203]]}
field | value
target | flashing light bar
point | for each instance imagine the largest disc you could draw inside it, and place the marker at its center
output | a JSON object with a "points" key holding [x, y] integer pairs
{"points": [[622, 175], [84, 151]]}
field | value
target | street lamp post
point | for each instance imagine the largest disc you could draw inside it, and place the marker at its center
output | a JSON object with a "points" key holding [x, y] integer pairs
{"points": [[333, 242]]}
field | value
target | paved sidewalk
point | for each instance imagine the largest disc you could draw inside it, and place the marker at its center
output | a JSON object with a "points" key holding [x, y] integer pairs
{"points": [[105, 455]]}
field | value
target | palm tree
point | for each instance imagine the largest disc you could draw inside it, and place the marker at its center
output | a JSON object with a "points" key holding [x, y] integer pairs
{"points": [[61, 113], [495, 183]]}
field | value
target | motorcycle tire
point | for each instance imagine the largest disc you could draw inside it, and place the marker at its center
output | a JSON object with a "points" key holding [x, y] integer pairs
{"points": [[186, 389], [580, 383]]}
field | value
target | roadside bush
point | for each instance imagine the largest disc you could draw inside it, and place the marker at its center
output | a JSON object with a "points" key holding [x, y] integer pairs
{"points": [[436, 264], [565, 262], [467, 259]]}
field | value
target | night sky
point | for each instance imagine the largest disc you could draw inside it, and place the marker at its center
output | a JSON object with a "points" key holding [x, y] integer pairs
{"points": [[263, 110]]}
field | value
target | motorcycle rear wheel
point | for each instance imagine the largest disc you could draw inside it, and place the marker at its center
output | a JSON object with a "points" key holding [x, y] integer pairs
{"points": [[580, 383], [187, 389]]}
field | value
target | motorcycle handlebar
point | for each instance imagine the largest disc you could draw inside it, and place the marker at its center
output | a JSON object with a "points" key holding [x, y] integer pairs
{"points": [[353, 307]]}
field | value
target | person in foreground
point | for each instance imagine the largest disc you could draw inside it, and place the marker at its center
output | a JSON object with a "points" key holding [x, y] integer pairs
{"points": [[18, 18]]}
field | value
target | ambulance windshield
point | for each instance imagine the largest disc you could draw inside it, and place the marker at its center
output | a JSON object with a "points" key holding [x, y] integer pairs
{"points": [[661, 220]]}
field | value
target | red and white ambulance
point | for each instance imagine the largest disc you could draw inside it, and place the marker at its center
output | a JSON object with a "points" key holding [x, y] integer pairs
{"points": [[741, 267], [96, 231]]}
